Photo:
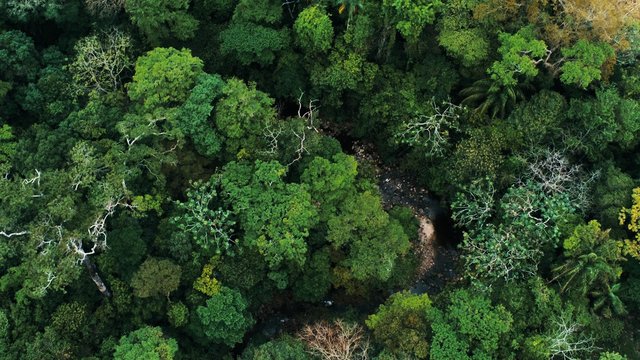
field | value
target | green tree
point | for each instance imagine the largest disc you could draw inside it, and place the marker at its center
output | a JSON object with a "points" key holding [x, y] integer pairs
{"points": [[276, 216], [225, 318], [411, 16], [146, 343], [243, 116], [284, 348], [315, 281], [611, 191], [371, 241], [608, 119], [491, 97], [520, 53], [402, 324], [470, 328], [313, 30], [164, 77], [159, 20], [584, 62], [156, 277], [195, 117], [461, 36], [330, 182], [529, 222]]}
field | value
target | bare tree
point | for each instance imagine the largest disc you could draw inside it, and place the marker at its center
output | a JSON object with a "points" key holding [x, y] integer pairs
{"points": [[431, 132], [553, 171], [474, 204], [567, 342], [335, 341], [301, 133], [100, 61]]}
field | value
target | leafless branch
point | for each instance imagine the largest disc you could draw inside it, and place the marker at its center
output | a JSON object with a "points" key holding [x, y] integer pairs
{"points": [[335, 341]]}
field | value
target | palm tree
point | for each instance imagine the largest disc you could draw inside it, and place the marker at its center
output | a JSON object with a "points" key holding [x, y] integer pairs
{"points": [[582, 272], [488, 96], [606, 302], [591, 266]]}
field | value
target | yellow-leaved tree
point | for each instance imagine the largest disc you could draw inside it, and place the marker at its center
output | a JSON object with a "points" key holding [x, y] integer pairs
{"points": [[631, 218]]}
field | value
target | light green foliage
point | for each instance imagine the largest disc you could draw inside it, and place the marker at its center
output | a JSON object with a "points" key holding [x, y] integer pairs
{"points": [[330, 182], [276, 216], [371, 240], [209, 227], [243, 116], [520, 53], [195, 116], [402, 323], [164, 77], [630, 218], [585, 60], [178, 314], [250, 43], [156, 277], [313, 30], [147, 343], [412, 16], [460, 36], [225, 319], [285, 348], [469, 328], [591, 266], [162, 19]]}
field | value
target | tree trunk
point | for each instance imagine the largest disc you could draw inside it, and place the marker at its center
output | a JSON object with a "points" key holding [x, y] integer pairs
{"points": [[93, 272]]}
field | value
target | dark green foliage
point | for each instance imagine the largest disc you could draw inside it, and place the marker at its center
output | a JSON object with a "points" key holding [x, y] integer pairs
{"points": [[224, 319], [19, 56], [156, 278], [285, 348], [159, 20], [219, 179]]}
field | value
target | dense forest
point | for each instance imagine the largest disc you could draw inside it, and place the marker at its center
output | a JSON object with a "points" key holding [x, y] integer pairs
{"points": [[320, 179]]}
